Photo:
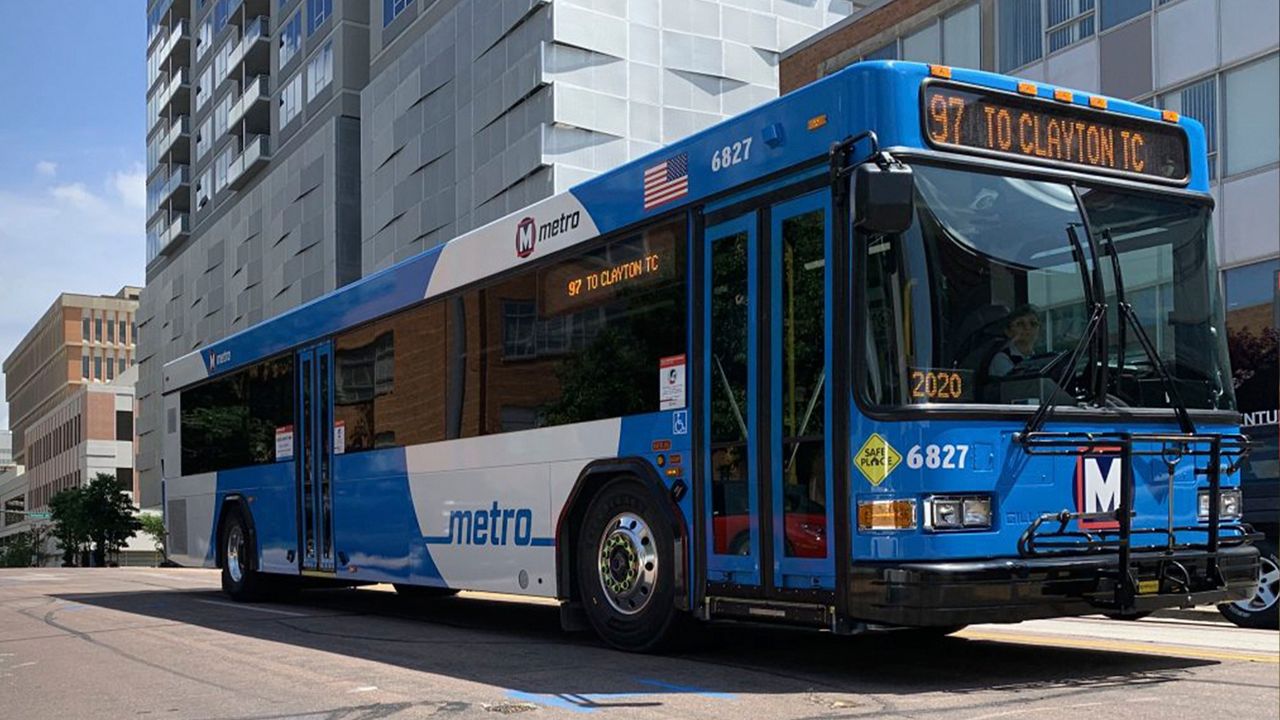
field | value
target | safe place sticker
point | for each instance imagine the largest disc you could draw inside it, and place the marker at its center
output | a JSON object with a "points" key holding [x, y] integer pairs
{"points": [[876, 459]]}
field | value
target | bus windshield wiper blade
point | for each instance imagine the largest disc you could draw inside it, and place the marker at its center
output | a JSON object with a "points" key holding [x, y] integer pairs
{"points": [[1047, 405], [1179, 408]]}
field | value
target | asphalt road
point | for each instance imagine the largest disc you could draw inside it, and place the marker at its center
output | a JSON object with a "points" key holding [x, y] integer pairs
{"points": [[143, 643]]}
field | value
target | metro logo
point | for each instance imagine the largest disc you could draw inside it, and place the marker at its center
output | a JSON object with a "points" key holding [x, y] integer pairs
{"points": [[1097, 488], [526, 237], [494, 526]]}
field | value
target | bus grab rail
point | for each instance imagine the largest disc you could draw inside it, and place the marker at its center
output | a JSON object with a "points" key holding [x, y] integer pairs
{"points": [[1169, 447]]}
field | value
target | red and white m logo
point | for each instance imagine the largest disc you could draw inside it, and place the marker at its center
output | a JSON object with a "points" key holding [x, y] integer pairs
{"points": [[1098, 480], [526, 237]]}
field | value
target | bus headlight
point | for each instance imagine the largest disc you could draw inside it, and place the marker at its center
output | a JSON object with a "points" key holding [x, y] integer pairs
{"points": [[1230, 505], [958, 512]]}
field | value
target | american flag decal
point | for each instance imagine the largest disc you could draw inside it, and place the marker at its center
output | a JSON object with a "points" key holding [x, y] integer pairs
{"points": [[666, 181]]}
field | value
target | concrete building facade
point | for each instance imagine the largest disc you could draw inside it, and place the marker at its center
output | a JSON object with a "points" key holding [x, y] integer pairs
{"points": [[80, 340], [1217, 61], [296, 145]]}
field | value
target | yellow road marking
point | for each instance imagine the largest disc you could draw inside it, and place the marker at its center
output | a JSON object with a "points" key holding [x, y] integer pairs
{"points": [[1145, 648]]}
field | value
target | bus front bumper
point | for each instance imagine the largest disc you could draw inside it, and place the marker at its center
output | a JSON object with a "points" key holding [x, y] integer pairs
{"points": [[1014, 589]]}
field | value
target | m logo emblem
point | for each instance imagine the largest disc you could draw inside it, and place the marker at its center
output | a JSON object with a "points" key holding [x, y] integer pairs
{"points": [[526, 237], [1098, 481]]}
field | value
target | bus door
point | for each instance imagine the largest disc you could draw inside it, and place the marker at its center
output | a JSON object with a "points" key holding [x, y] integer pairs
{"points": [[315, 458], [767, 398]]}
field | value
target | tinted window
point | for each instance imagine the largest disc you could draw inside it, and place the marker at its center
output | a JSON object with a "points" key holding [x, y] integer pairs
{"points": [[124, 425], [231, 422], [389, 380], [573, 341]]}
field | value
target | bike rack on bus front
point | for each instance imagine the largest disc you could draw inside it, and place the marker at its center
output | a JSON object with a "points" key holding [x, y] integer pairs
{"points": [[1171, 448]]}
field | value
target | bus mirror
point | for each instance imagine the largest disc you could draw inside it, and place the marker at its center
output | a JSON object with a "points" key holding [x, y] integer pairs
{"points": [[884, 198]]}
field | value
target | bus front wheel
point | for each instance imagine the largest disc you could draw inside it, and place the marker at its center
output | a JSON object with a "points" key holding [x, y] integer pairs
{"points": [[240, 579], [624, 564]]}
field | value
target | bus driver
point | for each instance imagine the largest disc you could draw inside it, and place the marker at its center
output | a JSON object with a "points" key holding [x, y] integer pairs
{"points": [[1022, 327]]}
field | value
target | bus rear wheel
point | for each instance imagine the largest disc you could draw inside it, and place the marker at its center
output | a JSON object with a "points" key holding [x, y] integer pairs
{"points": [[624, 564], [241, 580], [1262, 611]]}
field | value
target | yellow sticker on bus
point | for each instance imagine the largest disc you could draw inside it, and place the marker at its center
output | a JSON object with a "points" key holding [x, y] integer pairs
{"points": [[876, 459]]}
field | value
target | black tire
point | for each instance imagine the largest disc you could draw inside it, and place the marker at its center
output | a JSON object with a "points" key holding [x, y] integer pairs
{"points": [[1128, 617], [624, 542], [241, 580], [423, 592], [1260, 612]]}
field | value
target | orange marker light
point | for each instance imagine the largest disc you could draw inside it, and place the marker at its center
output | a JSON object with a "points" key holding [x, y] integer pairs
{"points": [[1027, 88], [1169, 116], [1063, 95], [1098, 102], [940, 71], [816, 122]]}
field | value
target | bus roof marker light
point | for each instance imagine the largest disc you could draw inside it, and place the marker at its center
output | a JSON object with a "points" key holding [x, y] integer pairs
{"points": [[1063, 95], [1027, 88], [816, 122], [940, 71], [1098, 102], [1169, 116]]}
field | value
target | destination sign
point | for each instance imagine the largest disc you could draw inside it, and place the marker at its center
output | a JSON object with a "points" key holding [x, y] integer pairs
{"points": [[996, 123], [597, 277]]}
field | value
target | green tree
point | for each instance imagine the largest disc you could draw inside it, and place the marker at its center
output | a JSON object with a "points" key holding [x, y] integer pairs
{"points": [[96, 517], [20, 551], [153, 527]]}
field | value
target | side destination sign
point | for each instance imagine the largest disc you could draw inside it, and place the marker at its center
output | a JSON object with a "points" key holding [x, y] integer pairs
{"points": [[988, 122]]}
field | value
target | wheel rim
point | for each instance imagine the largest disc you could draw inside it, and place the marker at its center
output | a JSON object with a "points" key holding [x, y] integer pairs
{"points": [[1264, 595], [627, 563], [235, 546]]}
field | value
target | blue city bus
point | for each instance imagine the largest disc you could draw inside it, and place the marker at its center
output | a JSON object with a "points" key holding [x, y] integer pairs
{"points": [[912, 347]]}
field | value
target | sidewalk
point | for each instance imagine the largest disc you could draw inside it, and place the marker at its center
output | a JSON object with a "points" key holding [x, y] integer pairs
{"points": [[1202, 613]]}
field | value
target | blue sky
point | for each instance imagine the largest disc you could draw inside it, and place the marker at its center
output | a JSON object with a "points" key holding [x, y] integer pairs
{"points": [[72, 148]]}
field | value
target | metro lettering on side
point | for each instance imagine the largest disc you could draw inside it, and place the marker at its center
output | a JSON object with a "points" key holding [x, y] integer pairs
{"points": [[495, 526]]}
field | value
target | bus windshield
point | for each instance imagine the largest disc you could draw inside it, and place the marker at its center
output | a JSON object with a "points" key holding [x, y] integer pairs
{"points": [[985, 297]]}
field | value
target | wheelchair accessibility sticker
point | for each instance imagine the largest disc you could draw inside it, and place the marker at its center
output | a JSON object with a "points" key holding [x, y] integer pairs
{"points": [[680, 422]]}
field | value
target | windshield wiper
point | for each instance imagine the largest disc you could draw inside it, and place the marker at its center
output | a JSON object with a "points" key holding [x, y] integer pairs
{"points": [[1097, 320]]}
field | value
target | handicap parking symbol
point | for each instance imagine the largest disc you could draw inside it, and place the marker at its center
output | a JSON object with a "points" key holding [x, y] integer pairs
{"points": [[680, 422]]}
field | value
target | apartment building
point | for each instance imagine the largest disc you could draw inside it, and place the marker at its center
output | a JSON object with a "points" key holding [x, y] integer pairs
{"points": [[1217, 61], [80, 340], [296, 145]]}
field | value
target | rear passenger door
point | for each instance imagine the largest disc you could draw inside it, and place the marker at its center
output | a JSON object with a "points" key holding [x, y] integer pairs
{"points": [[314, 438]]}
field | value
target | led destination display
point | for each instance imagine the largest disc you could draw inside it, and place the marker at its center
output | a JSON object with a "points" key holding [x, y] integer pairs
{"points": [[1043, 131]]}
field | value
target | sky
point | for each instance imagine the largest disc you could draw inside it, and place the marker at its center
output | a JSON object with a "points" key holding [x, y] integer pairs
{"points": [[72, 154]]}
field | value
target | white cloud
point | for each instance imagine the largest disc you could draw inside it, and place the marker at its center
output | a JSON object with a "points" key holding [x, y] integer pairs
{"points": [[46, 168], [67, 238]]}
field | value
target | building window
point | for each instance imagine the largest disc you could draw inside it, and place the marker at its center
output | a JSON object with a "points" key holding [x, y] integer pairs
{"points": [[133, 330], [121, 332], [1253, 334], [222, 167], [222, 60], [121, 367], [962, 38], [111, 369], [97, 329], [923, 45], [204, 38], [204, 186], [391, 9], [124, 425], [204, 87], [111, 331], [291, 100], [1019, 30], [317, 12], [97, 367], [1070, 21], [1115, 12], [85, 322], [290, 38], [220, 115], [888, 52], [320, 70], [1252, 136], [84, 366], [1200, 102]]}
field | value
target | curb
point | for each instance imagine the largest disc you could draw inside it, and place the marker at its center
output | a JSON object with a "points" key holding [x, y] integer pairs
{"points": [[1201, 613]]}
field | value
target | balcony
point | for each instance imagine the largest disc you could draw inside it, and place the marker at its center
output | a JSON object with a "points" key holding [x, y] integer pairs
{"points": [[254, 49], [169, 194], [256, 155], [161, 235], [175, 145], [179, 41], [176, 91], [254, 105]]}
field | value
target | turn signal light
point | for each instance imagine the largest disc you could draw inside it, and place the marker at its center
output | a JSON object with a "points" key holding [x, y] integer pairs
{"points": [[886, 514], [940, 71]]}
